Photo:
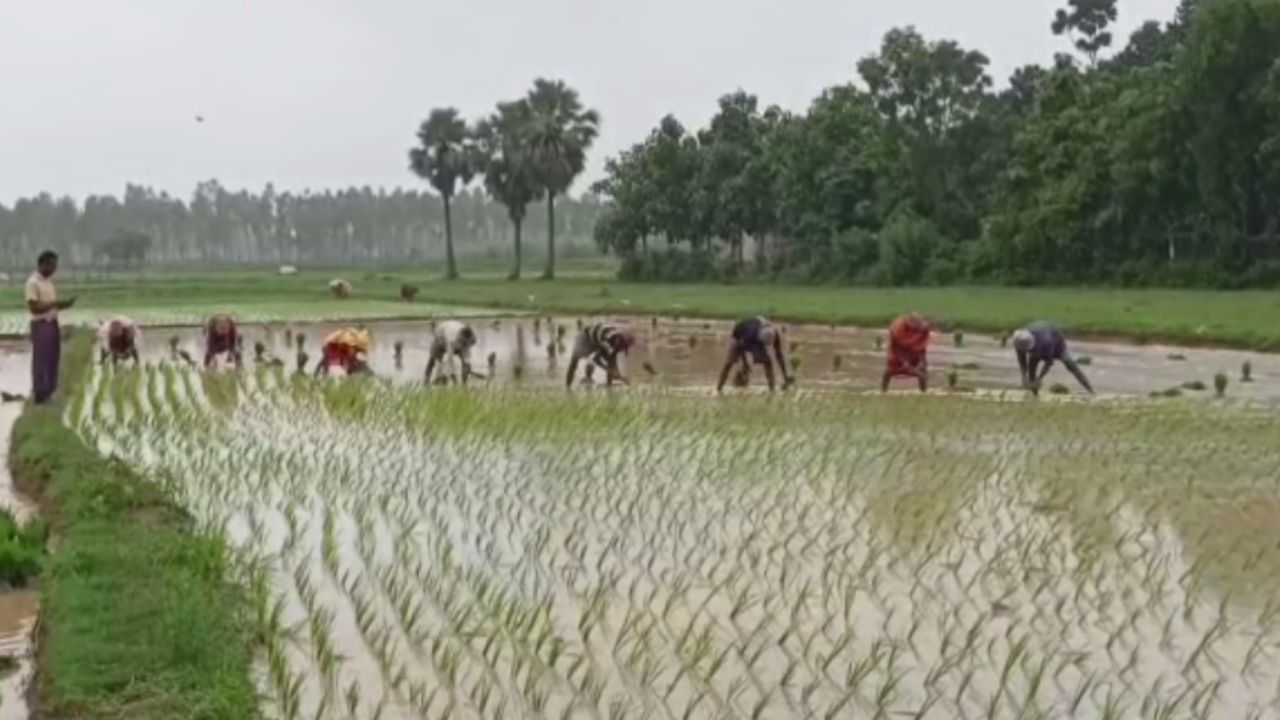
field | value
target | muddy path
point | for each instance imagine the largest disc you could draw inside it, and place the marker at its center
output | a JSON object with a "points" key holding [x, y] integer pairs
{"points": [[688, 353], [18, 608]]}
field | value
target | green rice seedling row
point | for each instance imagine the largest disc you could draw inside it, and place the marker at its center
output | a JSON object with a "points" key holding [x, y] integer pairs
{"points": [[509, 552]]}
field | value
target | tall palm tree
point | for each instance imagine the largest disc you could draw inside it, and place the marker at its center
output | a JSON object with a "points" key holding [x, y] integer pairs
{"points": [[445, 157], [507, 165], [560, 133]]}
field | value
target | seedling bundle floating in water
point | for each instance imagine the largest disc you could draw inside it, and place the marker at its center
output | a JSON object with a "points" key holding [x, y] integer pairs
{"points": [[522, 553]]}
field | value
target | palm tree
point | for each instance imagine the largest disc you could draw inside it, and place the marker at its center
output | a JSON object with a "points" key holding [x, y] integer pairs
{"points": [[507, 166], [445, 158], [560, 133]]}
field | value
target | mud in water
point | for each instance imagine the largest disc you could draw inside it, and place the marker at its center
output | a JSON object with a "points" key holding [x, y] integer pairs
{"points": [[18, 612], [689, 353]]}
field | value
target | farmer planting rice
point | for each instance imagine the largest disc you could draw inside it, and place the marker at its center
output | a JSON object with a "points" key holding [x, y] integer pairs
{"points": [[118, 339], [754, 336], [221, 337], [601, 343], [452, 340], [1038, 345], [908, 350], [347, 349]]}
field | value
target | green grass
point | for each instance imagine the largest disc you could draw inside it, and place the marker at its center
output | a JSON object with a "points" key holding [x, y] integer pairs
{"points": [[1240, 318], [21, 549], [139, 620]]}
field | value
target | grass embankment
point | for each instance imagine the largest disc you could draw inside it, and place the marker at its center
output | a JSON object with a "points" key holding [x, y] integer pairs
{"points": [[1244, 319], [138, 618]]}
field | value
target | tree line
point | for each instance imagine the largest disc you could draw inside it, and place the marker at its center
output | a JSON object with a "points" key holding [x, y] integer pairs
{"points": [[221, 227], [1158, 163]]}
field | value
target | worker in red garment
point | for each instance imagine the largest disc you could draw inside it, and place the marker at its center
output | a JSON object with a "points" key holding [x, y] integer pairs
{"points": [[347, 349], [908, 350], [221, 336]]}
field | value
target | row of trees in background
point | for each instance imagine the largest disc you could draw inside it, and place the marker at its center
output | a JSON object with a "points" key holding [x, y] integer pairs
{"points": [[529, 149], [217, 226], [1159, 164]]}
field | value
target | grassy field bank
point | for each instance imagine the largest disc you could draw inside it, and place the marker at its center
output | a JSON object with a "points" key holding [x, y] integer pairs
{"points": [[1244, 319], [138, 619]]}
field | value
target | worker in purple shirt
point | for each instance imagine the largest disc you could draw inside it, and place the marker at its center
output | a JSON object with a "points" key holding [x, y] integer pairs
{"points": [[1038, 345]]}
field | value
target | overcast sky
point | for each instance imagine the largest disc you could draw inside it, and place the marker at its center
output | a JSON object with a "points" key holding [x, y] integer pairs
{"points": [[327, 93]]}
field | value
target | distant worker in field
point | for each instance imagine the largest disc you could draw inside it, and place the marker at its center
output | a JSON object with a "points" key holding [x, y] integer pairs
{"points": [[340, 288], [221, 337], [600, 343], [452, 340], [347, 349], [1038, 345], [754, 337], [118, 339], [908, 350]]}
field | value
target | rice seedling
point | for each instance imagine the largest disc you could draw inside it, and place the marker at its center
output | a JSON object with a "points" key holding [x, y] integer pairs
{"points": [[957, 338], [1246, 372], [533, 554], [1220, 384]]}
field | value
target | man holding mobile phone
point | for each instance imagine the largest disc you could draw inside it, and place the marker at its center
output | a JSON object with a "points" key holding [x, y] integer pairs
{"points": [[46, 337]]}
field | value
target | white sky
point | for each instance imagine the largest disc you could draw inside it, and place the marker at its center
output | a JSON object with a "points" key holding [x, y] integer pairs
{"points": [[328, 93]]}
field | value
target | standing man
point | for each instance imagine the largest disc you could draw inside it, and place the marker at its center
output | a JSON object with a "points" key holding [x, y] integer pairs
{"points": [[755, 337], [908, 351], [1038, 345], [46, 337]]}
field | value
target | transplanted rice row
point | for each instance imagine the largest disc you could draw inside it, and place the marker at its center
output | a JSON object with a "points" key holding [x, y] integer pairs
{"points": [[523, 554]]}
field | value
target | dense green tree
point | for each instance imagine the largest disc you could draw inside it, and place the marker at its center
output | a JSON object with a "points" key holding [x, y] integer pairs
{"points": [[1160, 165], [508, 166], [561, 131], [446, 158], [1085, 22]]}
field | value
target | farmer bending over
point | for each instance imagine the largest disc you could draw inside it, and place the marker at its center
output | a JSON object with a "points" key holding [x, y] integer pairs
{"points": [[755, 336], [908, 350], [1038, 345], [601, 343], [452, 339], [347, 349], [221, 337], [118, 339]]}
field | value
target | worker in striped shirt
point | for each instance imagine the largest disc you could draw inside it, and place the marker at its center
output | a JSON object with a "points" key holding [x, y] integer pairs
{"points": [[755, 337], [601, 343]]}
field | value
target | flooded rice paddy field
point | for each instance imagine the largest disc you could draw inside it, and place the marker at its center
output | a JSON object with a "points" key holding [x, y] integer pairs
{"points": [[689, 353], [529, 553]]}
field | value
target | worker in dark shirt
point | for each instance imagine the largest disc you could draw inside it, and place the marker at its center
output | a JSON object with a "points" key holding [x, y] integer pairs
{"points": [[755, 337], [1038, 346]]}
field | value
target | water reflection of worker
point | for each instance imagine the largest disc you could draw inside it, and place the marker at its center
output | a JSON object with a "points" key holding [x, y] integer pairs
{"points": [[221, 337], [118, 339], [754, 337], [1038, 345], [452, 340], [601, 343], [908, 354], [347, 349]]}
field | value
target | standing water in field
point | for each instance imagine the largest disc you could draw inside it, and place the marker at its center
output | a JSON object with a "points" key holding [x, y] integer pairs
{"points": [[688, 353], [18, 608]]}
